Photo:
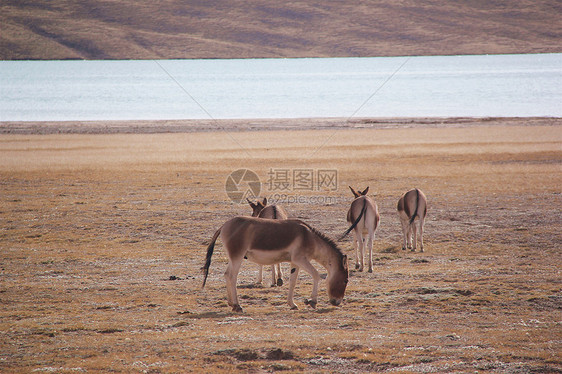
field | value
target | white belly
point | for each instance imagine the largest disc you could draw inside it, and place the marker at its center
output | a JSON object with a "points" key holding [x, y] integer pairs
{"points": [[268, 257]]}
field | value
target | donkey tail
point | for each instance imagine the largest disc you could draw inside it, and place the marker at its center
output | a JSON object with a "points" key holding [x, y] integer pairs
{"points": [[356, 221], [413, 218], [210, 250]]}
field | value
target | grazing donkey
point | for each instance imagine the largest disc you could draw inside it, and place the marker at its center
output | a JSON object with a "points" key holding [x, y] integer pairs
{"points": [[262, 210], [364, 218], [267, 242], [411, 206]]}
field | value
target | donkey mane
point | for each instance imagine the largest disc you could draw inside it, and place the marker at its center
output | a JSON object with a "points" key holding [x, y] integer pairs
{"points": [[331, 243]]}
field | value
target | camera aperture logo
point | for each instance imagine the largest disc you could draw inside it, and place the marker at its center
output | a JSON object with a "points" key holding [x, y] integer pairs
{"points": [[242, 184]]}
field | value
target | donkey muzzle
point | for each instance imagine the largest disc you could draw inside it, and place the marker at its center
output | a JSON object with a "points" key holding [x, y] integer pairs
{"points": [[335, 302]]}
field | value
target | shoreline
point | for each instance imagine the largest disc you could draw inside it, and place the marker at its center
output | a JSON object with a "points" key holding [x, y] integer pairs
{"points": [[249, 125]]}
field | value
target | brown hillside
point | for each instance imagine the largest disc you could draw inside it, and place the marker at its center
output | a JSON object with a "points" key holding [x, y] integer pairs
{"points": [[98, 29]]}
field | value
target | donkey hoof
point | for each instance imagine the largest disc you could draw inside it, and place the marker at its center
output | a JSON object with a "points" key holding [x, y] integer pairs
{"points": [[357, 267], [311, 303], [236, 308], [279, 282], [294, 307], [370, 270]]}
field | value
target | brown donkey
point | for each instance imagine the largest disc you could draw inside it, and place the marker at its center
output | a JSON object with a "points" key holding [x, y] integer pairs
{"points": [[262, 210], [364, 218], [268, 242], [411, 206]]}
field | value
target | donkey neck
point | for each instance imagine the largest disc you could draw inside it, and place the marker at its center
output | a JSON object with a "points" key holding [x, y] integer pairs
{"points": [[326, 255]]}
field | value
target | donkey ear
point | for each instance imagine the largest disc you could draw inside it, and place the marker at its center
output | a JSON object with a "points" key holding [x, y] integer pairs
{"points": [[251, 204], [344, 261], [365, 191], [353, 191], [264, 201]]}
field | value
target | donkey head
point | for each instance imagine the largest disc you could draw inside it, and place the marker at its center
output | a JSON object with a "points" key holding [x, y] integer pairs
{"points": [[258, 206], [337, 282], [360, 193]]}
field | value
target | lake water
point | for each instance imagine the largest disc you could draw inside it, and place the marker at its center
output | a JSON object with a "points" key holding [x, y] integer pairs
{"points": [[479, 86]]}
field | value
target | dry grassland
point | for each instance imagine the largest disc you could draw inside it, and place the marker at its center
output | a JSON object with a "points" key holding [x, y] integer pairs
{"points": [[102, 238]]}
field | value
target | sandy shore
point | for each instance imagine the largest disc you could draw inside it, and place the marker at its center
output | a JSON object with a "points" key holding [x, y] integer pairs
{"points": [[104, 228], [236, 125]]}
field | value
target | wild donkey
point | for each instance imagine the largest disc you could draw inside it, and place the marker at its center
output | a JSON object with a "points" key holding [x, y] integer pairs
{"points": [[364, 218], [262, 210], [412, 205], [268, 242]]}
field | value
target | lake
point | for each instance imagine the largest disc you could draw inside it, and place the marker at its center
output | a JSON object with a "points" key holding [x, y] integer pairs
{"points": [[436, 86]]}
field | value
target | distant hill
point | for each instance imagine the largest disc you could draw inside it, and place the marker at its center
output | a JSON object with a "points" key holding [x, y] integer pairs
{"points": [[137, 29]]}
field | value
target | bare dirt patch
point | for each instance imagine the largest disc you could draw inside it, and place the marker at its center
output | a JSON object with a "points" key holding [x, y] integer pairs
{"points": [[102, 238]]}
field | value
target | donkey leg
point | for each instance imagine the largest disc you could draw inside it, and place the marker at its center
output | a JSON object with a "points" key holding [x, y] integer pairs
{"points": [[356, 245], [409, 236], [359, 255], [404, 224], [227, 277], [307, 266], [415, 236], [370, 248], [362, 253], [260, 274], [279, 275], [292, 283], [231, 276], [273, 275], [421, 233]]}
